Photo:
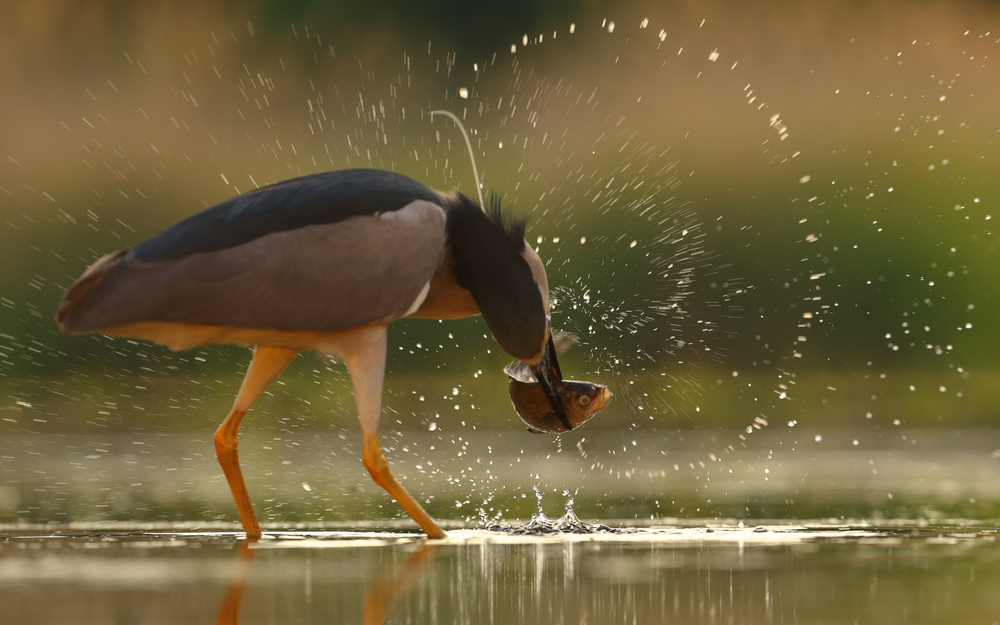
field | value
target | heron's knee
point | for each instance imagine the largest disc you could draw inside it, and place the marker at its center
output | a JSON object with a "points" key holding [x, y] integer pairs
{"points": [[375, 462], [225, 437], [223, 444]]}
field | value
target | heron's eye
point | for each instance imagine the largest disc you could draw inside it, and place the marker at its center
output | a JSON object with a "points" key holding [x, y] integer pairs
{"points": [[584, 400]]}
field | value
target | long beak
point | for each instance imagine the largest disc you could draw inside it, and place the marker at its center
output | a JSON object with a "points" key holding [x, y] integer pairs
{"points": [[549, 376]]}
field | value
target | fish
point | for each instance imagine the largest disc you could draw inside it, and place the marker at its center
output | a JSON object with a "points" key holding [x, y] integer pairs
{"points": [[581, 400]]}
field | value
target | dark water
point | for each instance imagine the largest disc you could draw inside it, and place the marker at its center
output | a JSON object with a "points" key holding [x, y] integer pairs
{"points": [[315, 478], [707, 572]]}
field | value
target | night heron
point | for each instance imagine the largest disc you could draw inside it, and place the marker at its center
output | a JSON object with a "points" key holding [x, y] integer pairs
{"points": [[324, 262]]}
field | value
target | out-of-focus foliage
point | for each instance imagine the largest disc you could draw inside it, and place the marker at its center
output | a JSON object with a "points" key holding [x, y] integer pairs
{"points": [[121, 118]]}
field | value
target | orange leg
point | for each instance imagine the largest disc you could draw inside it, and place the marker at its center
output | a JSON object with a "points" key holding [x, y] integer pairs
{"points": [[376, 465], [364, 354], [267, 364]]}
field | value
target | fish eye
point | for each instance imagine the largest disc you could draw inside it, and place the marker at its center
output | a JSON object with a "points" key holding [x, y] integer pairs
{"points": [[584, 400]]}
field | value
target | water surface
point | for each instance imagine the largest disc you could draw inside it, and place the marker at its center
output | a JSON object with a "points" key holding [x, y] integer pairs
{"points": [[691, 572]]}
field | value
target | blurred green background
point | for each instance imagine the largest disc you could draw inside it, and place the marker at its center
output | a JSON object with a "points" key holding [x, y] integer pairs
{"points": [[762, 219]]}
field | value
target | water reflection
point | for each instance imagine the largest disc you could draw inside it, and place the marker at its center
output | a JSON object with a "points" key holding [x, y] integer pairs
{"points": [[719, 574], [229, 607], [384, 586]]}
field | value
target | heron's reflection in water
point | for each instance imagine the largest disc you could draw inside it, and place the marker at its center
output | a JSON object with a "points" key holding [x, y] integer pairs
{"points": [[229, 607], [384, 586]]}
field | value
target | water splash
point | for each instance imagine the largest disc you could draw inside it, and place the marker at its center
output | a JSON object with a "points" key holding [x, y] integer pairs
{"points": [[541, 524]]}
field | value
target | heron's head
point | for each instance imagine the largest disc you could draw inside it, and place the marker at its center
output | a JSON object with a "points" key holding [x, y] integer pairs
{"points": [[507, 278]]}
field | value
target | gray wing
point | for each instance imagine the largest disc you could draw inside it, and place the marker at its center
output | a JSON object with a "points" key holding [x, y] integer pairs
{"points": [[320, 277], [322, 198]]}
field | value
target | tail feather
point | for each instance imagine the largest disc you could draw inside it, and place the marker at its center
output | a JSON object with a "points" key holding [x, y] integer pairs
{"points": [[72, 313]]}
